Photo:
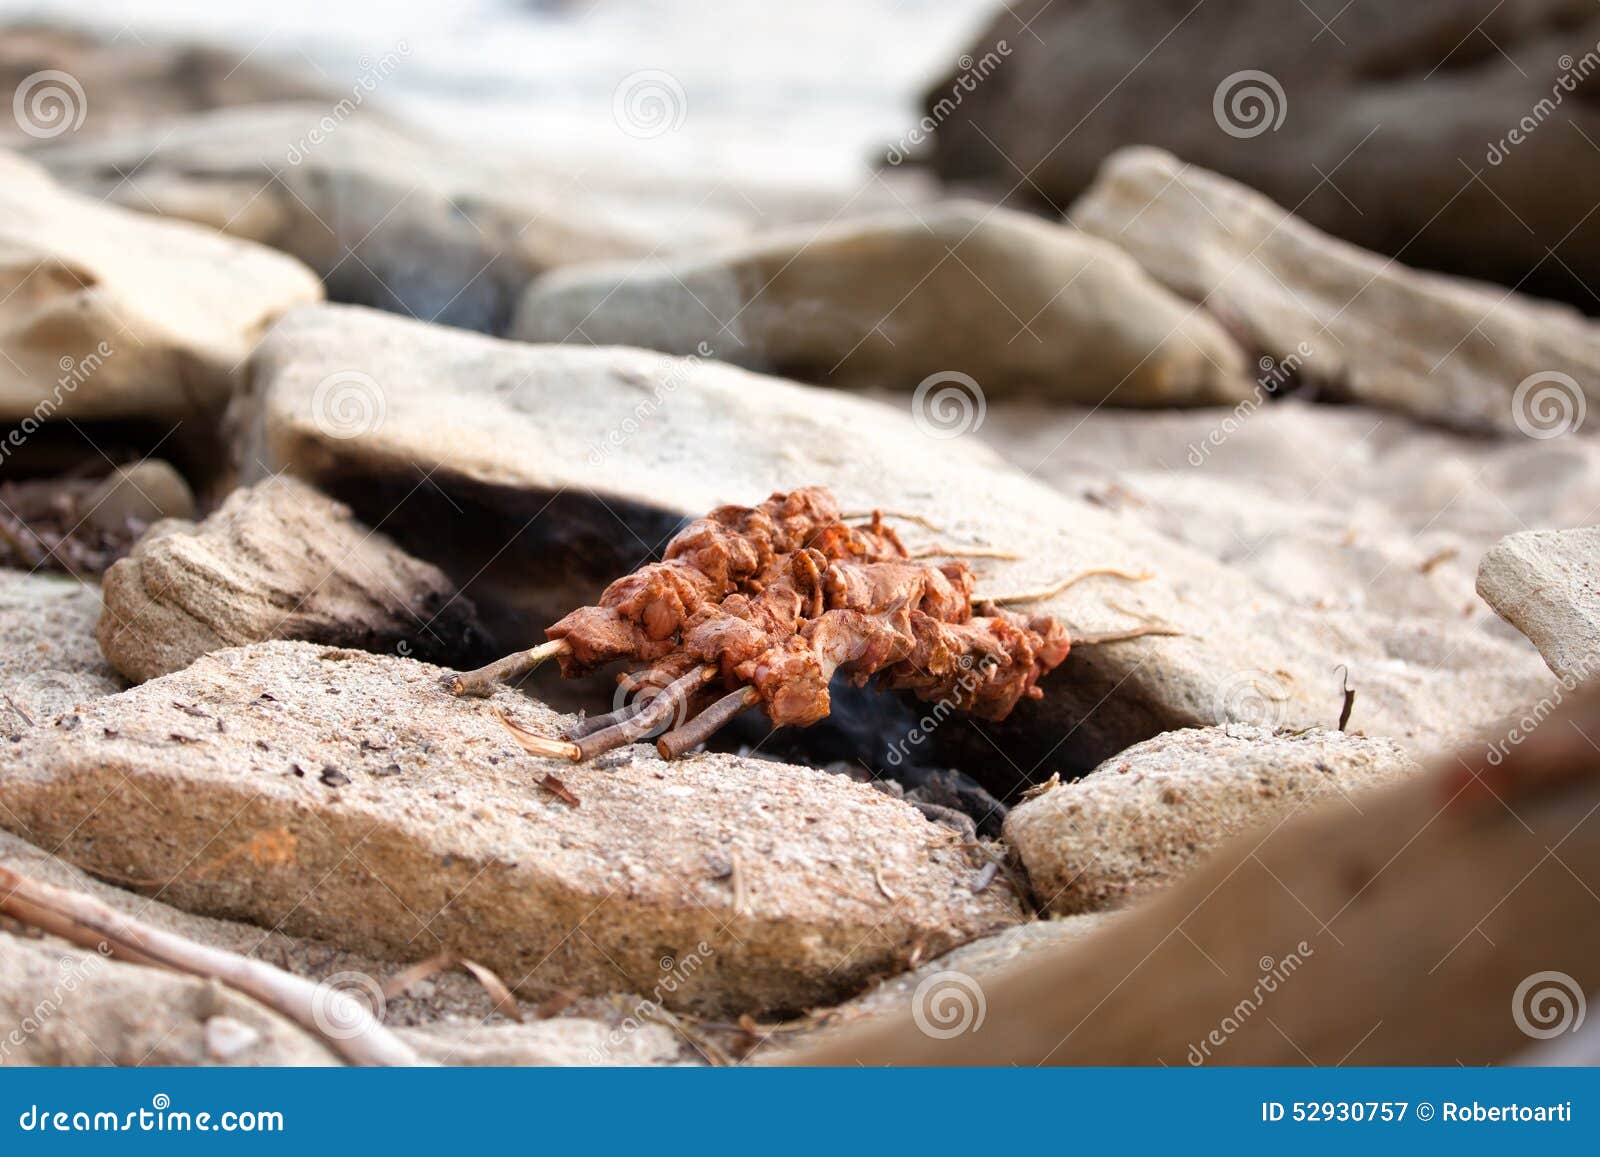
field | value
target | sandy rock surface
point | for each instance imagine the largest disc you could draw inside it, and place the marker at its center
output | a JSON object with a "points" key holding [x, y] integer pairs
{"points": [[540, 489], [401, 821], [114, 314], [277, 561], [1012, 303], [1366, 327], [49, 661], [1547, 585], [1339, 508], [1150, 815], [448, 1017], [70, 1006]]}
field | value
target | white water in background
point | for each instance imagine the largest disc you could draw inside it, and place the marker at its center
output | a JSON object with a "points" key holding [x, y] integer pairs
{"points": [[803, 92]]}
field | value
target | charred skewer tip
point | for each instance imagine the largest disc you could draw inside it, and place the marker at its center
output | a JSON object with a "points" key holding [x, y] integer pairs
{"points": [[654, 714], [481, 684], [542, 746], [706, 724]]}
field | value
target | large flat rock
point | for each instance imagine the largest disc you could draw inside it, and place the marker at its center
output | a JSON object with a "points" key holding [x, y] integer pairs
{"points": [[962, 296], [535, 502], [115, 314], [404, 822], [1363, 326]]}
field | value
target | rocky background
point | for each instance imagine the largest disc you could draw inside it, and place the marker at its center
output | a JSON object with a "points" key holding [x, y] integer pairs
{"points": [[336, 356]]}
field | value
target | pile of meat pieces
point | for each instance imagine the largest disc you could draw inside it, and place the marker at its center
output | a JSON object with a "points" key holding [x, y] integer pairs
{"points": [[764, 605]]}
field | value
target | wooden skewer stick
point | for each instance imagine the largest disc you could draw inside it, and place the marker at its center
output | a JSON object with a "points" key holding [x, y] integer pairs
{"points": [[87, 922], [481, 684], [916, 518], [590, 724], [649, 718], [706, 724], [535, 744], [1056, 588], [964, 552], [1121, 636]]}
